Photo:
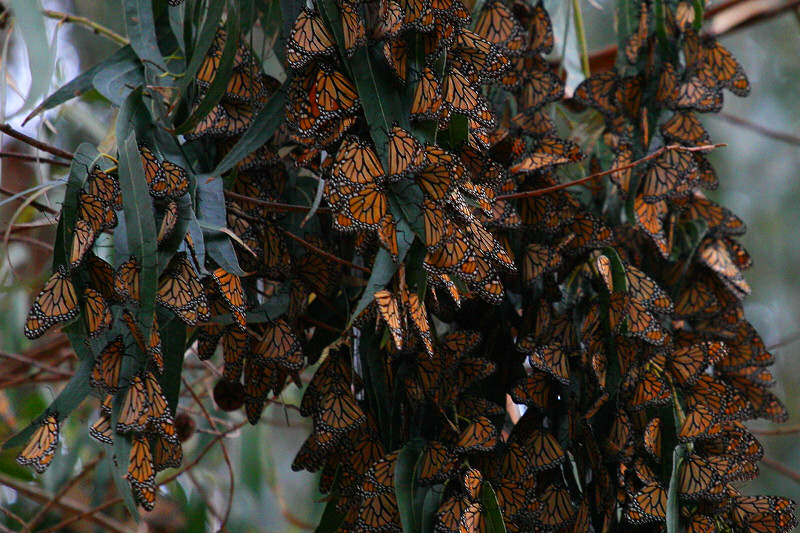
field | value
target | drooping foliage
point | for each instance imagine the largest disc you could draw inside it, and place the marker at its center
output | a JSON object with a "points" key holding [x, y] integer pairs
{"points": [[490, 350]]}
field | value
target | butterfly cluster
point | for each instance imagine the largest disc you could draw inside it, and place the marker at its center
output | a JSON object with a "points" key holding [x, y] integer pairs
{"points": [[491, 342]]}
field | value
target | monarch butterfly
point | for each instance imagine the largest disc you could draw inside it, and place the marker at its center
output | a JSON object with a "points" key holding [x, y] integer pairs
{"points": [[683, 127], [546, 153], [353, 28], [427, 100], [556, 508], [141, 475], [153, 173], [177, 179], [648, 505], [649, 219], [279, 345], [540, 30], [638, 38], [449, 514], [645, 290], [153, 348], [181, 292], [418, 15], [719, 218], [378, 513], [405, 154], [706, 52], [108, 366], [230, 286], [309, 40], [235, 345], [56, 303], [41, 446], [763, 513], [338, 413], [551, 359], [480, 435], [395, 52], [473, 53], [686, 364], [226, 120], [652, 438], [126, 280], [101, 430], [82, 242], [670, 175], [135, 411], [651, 389], [98, 313], [498, 25], [168, 223], [99, 214], [699, 479], [166, 453], [458, 96], [545, 451], [419, 318], [390, 312], [437, 462], [101, 276], [599, 92], [331, 94], [104, 186], [357, 164]]}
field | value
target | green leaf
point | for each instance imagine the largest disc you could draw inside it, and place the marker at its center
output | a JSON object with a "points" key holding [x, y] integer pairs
{"points": [[404, 482], [494, 516], [115, 81], [331, 518], [217, 88], [204, 39], [173, 344], [29, 23], [429, 509], [82, 83], [137, 206], [76, 390], [673, 503], [264, 125], [382, 271], [141, 29], [211, 214]]}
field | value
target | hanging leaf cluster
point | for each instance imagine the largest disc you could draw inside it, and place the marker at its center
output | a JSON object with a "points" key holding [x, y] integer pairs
{"points": [[491, 350]]}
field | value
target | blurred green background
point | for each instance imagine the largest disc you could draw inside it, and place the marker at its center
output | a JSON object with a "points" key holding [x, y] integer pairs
{"points": [[759, 182]]}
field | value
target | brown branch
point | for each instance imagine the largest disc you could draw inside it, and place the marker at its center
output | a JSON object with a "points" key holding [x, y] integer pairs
{"points": [[761, 16], [43, 146], [33, 158], [275, 206], [89, 514], [781, 468], [35, 204], [758, 128], [317, 323], [25, 226], [307, 245], [91, 25], [31, 240], [590, 177], [63, 491], [776, 432], [224, 448], [33, 362], [68, 504]]}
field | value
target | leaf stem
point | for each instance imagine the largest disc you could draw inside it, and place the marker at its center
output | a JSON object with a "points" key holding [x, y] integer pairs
{"points": [[85, 22], [581, 31]]}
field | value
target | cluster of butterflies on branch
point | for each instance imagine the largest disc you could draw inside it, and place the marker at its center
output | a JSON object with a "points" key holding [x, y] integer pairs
{"points": [[612, 314]]}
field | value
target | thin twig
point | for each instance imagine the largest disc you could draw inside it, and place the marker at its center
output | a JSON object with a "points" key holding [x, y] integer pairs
{"points": [[788, 138], [33, 158], [63, 491], [89, 514], [590, 177], [31, 240], [25, 226], [58, 152], [39, 206], [33, 362], [224, 448], [785, 342], [68, 504], [15, 518], [275, 206], [90, 24], [307, 245], [776, 432], [781, 468]]}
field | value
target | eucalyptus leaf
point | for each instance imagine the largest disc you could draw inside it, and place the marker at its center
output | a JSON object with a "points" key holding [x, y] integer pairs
{"points": [[141, 29], [210, 215], [84, 82]]}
